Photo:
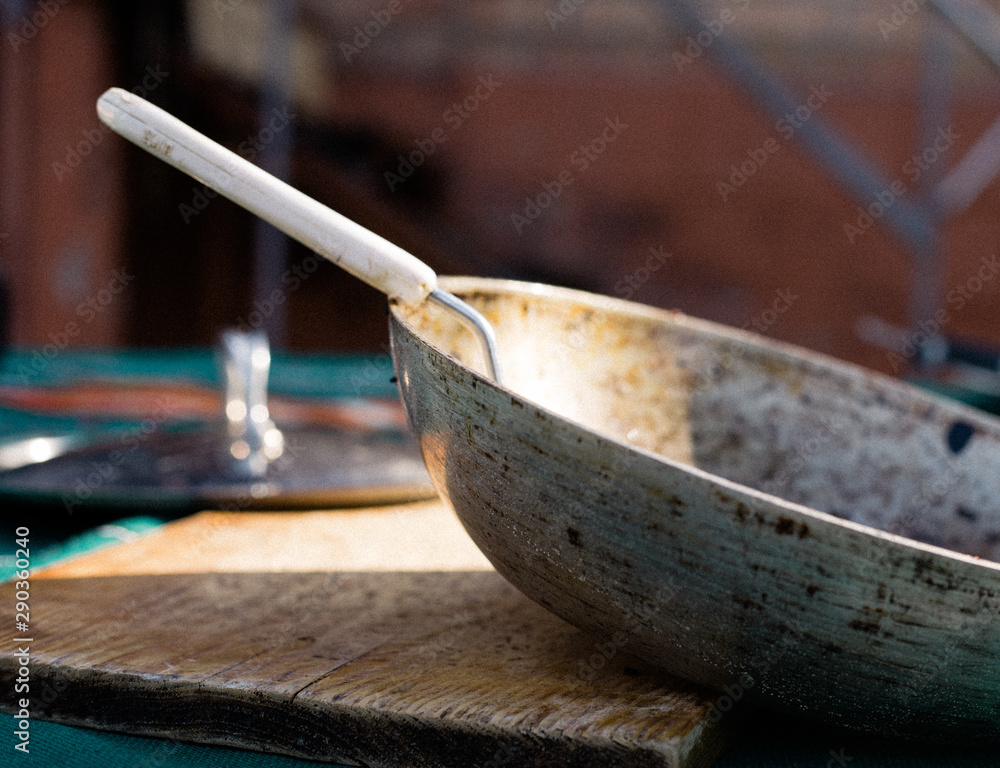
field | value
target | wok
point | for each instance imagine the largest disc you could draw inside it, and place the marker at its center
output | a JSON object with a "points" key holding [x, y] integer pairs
{"points": [[788, 529]]}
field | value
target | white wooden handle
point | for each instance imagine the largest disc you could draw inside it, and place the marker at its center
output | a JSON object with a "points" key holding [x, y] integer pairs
{"points": [[364, 254]]}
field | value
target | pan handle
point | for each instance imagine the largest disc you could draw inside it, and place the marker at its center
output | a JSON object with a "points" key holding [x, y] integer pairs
{"points": [[370, 258]]}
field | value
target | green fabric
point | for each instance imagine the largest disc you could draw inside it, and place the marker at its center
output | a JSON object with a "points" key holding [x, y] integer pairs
{"points": [[307, 375], [313, 375], [988, 402], [59, 746], [788, 746]]}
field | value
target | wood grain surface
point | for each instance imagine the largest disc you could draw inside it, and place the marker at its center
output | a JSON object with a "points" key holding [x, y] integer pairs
{"points": [[375, 637]]}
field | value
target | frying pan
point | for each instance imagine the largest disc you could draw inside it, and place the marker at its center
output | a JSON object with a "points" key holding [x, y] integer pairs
{"points": [[788, 529]]}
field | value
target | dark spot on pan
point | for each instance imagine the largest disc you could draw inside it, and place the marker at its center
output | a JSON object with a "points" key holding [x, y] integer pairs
{"points": [[747, 604], [787, 527], [831, 648], [784, 526], [869, 627], [574, 536], [632, 671], [966, 514], [811, 590], [742, 512], [677, 502], [722, 497], [959, 436], [393, 380]]}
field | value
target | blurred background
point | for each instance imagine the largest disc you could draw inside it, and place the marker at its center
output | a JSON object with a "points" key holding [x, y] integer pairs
{"points": [[820, 173]]}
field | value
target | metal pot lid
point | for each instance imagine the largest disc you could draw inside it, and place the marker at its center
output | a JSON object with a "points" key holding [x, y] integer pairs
{"points": [[317, 468], [243, 461]]}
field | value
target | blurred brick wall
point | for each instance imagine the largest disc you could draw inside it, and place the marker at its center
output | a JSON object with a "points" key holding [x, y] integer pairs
{"points": [[535, 82], [776, 241], [61, 209]]}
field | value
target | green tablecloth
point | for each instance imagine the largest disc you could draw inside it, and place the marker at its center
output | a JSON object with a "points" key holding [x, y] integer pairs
{"points": [[291, 374], [766, 741], [785, 745]]}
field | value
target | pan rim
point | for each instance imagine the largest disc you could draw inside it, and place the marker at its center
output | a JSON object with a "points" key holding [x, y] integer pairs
{"points": [[463, 285]]}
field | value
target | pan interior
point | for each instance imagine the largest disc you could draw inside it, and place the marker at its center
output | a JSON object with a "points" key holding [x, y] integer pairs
{"points": [[790, 423]]}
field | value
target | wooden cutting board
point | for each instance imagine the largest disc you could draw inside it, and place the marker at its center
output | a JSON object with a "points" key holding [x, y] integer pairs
{"points": [[375, 637]]}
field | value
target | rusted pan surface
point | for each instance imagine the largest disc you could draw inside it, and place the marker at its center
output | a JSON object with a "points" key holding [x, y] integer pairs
{"points": [[738, 507]]}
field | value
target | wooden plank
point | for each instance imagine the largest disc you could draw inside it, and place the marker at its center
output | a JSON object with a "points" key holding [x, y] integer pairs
{"points": [[375, 637]]}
